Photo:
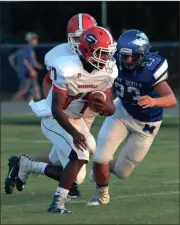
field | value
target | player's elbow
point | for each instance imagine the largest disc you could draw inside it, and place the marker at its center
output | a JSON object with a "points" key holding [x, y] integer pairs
{"points": [[174, 101]]}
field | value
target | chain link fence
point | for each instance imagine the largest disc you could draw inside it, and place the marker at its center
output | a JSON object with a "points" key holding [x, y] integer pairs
{"points": [[10, 82]]}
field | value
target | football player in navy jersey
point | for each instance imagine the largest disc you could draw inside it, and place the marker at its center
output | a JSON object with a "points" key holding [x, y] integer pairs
{"points": [[142, 93]]}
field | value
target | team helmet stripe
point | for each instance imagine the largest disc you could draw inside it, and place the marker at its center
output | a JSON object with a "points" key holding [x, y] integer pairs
{"points": [[80, 15]]}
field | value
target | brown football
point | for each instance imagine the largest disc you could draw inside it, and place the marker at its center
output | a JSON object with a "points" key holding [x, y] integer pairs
{"points": [[92, 98]]}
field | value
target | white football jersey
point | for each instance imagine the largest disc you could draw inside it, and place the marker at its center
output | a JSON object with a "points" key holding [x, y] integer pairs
{"points": [[58, 51], [69, 76]]}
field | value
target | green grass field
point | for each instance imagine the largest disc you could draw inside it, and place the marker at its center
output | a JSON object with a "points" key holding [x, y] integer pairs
{"points": [[149, 196]]}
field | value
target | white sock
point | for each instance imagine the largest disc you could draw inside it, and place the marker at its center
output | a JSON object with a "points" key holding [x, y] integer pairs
{"points": [[62, 191], [42, 166]]}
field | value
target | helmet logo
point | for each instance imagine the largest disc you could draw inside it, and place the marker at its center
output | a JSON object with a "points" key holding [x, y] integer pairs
{"points": [[90, 38], [139, 42], [142, 35]]}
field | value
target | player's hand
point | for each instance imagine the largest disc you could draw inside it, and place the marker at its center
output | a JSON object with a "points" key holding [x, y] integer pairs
{"points": [[105, 108], [33, 73], [146, 102], [79, 141]]}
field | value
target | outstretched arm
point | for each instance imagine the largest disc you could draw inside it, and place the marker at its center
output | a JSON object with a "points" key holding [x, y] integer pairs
{"points": [[58, 101], [166, 99]]}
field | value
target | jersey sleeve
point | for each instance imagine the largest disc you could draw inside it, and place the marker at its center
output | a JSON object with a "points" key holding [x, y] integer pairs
{"points": [[108, 90], [47, 78], [59, 82], [161, 73], [46, 61]]}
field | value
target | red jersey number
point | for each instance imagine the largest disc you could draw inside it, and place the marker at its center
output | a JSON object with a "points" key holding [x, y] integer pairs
{"points": [[69, 99]]}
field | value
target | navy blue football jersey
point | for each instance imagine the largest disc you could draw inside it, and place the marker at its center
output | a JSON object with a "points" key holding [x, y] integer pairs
{"points": [[129, 86]]}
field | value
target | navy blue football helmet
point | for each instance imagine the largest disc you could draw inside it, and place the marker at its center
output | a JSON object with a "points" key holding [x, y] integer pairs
{"points": [[132, 49]]}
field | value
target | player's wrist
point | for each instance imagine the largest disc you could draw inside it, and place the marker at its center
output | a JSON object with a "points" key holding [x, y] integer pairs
{"points": [[74, 132], [111, 109], [155, 101]]}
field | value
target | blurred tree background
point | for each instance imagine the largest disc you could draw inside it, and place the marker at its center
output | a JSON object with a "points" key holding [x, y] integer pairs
{"points": [[160, 20]]}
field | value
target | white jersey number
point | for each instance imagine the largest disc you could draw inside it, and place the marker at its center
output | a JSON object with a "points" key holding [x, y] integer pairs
{"points": [[121, 92]]}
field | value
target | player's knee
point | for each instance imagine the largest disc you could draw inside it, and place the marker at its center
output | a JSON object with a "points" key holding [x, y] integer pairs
{"points": [[124, 169], [91, 143], [81, 175]]}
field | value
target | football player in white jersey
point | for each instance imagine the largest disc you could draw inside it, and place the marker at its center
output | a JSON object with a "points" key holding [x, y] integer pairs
{"points": [[143, 93], [73, 78], [75, 27]]}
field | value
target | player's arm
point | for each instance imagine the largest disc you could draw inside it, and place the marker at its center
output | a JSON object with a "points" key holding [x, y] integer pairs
{"points": [[47, 83], [167, 98], [58, 101]]}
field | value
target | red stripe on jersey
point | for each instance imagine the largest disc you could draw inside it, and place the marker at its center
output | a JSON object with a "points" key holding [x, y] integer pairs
{"points": [[108, 90], [47, 78], [62, 91]]}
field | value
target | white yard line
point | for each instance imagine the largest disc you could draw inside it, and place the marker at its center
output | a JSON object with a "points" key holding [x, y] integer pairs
{"points": [[170, 181], [78, 201], [165, 183], [17, 140]]}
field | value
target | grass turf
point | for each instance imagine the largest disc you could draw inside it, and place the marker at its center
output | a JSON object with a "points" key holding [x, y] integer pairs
{"points": [[149, 196]]}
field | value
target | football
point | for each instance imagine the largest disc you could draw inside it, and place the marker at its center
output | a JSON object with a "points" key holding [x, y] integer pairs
{"points": [[92, 98]]}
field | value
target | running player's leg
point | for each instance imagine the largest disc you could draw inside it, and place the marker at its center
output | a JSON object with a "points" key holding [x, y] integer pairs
{"points": [[135, 147], [10, 180], [63, 142], [89, 117], [112, 133]]}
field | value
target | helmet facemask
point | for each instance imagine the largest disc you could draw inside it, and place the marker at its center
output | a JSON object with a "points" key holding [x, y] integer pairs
{"points": [[102, 58], [73, 40], [129, 60]]}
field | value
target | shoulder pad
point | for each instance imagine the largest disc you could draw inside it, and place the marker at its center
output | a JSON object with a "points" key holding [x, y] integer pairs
{"points": [[157, 65], [68, 66], [114, 73], [57, 51], [154, 61]]}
